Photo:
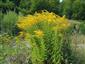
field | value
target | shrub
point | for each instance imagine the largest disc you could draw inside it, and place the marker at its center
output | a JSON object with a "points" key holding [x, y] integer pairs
{"points": [[8, 23]]}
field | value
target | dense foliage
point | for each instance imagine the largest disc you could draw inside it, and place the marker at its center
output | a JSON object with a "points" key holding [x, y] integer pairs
{"points": [[45, 30], [31, 36], [73, 9]]}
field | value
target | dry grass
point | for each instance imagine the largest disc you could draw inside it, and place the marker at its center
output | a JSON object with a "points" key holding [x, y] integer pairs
{"points": [[78, 46]]}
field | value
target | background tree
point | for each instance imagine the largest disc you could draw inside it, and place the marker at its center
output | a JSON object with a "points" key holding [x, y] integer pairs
{"points": [[78, 9], [67, 8], [29, 6]]}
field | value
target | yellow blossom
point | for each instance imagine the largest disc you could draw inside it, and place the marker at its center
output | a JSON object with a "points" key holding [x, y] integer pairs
{"points": [[48, 17], [39, 33]]}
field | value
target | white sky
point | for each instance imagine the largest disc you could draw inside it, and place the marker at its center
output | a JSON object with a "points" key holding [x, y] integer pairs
{"points": [[61, 0]]}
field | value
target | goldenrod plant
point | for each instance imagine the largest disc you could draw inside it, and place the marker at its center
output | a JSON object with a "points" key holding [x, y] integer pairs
{"points": [[45, 31]]}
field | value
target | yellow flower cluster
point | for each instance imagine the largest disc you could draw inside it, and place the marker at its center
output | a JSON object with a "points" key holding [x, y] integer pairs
{"points": [[39, 33], [23, 35], [30, 20], [48, 18]]}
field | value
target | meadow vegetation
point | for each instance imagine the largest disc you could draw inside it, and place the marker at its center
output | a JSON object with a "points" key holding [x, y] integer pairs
{"points": [[35, 33]]}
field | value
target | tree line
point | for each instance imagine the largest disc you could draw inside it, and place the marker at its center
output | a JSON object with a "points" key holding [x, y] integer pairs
{"points": [[73, 9]]}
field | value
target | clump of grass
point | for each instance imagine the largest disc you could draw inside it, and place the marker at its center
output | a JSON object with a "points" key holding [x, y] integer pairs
{"points": [[11, 50]]}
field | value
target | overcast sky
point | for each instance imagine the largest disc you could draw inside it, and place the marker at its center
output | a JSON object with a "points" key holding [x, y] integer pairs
{"points": [[60, 0]]}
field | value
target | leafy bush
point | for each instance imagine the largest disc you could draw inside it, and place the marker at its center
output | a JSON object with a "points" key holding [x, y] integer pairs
{"points": [[8, 22]]}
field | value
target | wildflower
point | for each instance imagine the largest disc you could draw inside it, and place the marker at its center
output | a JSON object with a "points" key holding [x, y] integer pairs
{"points": [[39, 33], [46, 17], [21, 33], [24, 35]]}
